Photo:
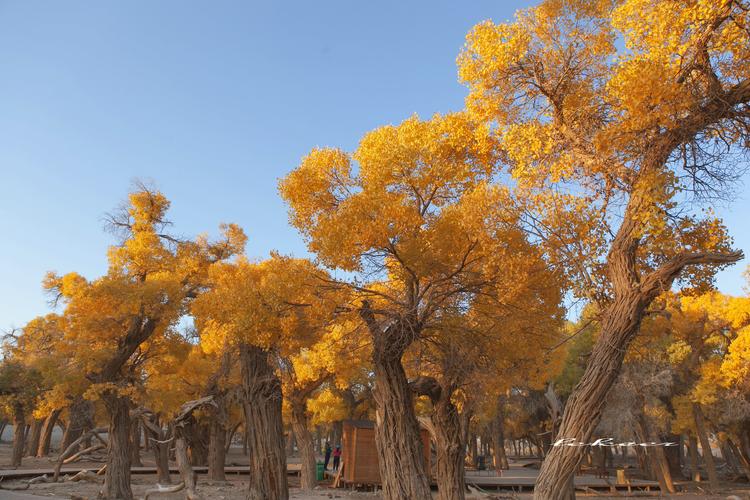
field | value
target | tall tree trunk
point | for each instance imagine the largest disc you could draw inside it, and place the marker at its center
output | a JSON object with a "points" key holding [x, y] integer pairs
{"points": [[634, 291], [197, 436], [35, 434], [656, 456], [729, 459], [305, 444], [673, 455], [45, 439], [583, 409], [473, 449], [400, 455], [498, 437], [230, 436], [743, 460], [19, 434], [216, 450], [161, 458], [708, 456], [135, 444], [450, 450], [338, 431], [159, 443], [693, 452], [117, 473], [183, 463], [263, 425], [449, 437]]}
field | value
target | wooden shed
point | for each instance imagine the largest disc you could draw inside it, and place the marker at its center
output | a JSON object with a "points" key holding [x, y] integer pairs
{"points": [[360, 455]]}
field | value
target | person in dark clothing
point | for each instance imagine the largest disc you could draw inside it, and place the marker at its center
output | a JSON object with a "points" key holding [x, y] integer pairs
{"points": [[327, 456], [336, 457]]}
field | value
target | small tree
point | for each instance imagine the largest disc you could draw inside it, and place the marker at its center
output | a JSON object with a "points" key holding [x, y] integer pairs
{"points": [[110, 320], [20, 388]]}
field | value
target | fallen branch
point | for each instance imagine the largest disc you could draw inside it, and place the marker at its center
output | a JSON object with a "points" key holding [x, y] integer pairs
{"points": [[102, 470], [70, 449], [163, 489], [84, 475], [78, 455], [39, 479]]}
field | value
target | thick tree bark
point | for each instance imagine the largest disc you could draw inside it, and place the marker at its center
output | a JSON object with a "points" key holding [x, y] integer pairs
{"points": [[135, 444], [159, 441], [263, 424], [673, 455], [449, 438], [197, 437], [186, 470], [450, 450], [620, 323], [19, 434], [400, 456], [498, 437], [708, 456], [117, 473], [45, 439], [35, 433], [216, 450], [658, 460], [305, 444]]}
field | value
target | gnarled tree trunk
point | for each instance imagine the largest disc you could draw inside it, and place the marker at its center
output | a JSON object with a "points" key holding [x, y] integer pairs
{"points": [[135, 444], [216, 450], [35, 433], [620, 323], [656, 457], [708, 456], [117, 473], [159, 442], [45, 439], [263, 424], [19, 434], [400, 458], [305, 444], [498, 437], [197, 436]]}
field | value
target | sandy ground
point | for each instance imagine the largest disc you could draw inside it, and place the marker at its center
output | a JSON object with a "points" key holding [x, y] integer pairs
{"points": [[235, 487]]}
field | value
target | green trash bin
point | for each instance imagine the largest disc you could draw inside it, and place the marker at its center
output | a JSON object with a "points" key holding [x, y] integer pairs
{"points": [[320, 471]]}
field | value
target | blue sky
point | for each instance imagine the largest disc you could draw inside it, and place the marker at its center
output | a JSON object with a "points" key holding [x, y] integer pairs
{"points": [[213, 102]]}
